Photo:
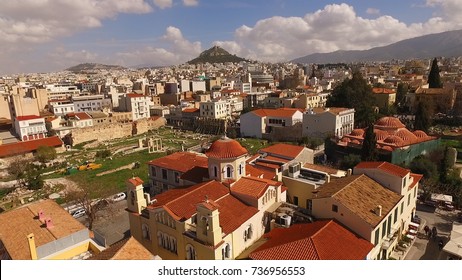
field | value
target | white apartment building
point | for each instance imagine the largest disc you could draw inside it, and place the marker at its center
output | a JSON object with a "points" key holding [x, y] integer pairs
{"points": [[80, 120], [138, 104], [61, 107], [214, 109], [91, 103], [262, 121], [30, 127], [61, 91], [321, 122]]}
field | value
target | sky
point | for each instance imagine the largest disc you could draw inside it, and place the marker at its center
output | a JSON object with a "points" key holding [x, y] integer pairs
{"points": [[52, 35]]}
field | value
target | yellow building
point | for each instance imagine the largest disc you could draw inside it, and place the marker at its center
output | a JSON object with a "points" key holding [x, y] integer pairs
{"points": [[384, 97], [44, 230], [216, 219]]}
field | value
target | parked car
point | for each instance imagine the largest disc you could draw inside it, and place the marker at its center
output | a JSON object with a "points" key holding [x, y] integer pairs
{"points": [[79, 213], [119, 197]]}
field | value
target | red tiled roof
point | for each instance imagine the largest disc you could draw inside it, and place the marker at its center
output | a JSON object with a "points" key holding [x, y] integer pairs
{"points": [[135, 181], [233, 213], [133, 95], [282, 112], [24, 147], [267, 165], [251, 186], [417, 178], [83, 116], [331, 110], [190, 110], [322, 168], [383, 90], [226, 148], [290, 151], [28, 117], [321, 240], [254, 171], [384, 166], [196, 174], [276, 159], [181, 161]]}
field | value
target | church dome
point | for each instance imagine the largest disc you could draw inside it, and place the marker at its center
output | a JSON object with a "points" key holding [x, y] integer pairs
{"points": [[226, 148], [387, 148], [389, 122]]}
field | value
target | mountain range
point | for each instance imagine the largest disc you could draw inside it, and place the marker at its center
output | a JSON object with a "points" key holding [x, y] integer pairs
{"points": [[85, 67], [445, 44]]}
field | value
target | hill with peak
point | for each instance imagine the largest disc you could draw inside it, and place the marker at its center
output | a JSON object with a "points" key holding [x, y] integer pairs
{"points": [[216, 54], [444, 44], [85, 67]]}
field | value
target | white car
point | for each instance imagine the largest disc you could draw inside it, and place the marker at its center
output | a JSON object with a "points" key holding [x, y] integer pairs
{"points": [[79, 213], [119, 197]]}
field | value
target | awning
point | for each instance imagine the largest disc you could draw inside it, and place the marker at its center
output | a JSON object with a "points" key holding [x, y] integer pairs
{"points": [[441, 197], [414, 224]]}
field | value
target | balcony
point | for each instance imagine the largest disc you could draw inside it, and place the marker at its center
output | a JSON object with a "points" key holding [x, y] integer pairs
{"points": [[391, 239]]}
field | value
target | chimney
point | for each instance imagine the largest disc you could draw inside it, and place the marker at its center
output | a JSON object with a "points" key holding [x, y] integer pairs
{"points": [[49, 223], [32, 249], [349, 172], [41, 216], [378, 210]]}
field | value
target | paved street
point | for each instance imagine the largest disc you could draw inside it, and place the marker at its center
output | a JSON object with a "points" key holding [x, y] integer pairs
{"points": [[424, 249]]}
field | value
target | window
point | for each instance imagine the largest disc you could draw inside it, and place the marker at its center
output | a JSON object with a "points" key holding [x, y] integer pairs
{"points": [[241, 168], [377, 236], [334, 208], [132, 197], [396, 215], [384, 228], [296, 200], [145, 230], [153, 171], [309, 205], [402, 207], [190, 252], [215, 171], [177, 177], [389, 225], [415, 192], [226, 251], [404, 182], [248, 232], [408, 199], [164, 174], [229, 171]]}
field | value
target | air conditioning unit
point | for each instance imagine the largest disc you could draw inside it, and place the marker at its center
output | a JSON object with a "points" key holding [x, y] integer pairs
{"points": [[294, 170], [285, 220]]}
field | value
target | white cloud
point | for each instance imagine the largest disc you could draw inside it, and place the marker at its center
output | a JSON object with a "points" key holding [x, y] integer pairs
{"points": [[334, 27], [177, 50], [190, 2], [41, 20], [162, 4], [372, 11], [63, 58]]}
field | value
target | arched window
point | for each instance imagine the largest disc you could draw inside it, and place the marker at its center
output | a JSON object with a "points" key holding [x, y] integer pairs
{"points": [[226, 251], [241, 168], [248, 232], [205, 225], [159, 238], [229, 171], [145, 230], [190, 252]]}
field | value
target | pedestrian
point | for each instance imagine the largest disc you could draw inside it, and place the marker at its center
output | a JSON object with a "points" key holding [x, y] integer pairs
{"points": [[426, 228], [440, 244]]}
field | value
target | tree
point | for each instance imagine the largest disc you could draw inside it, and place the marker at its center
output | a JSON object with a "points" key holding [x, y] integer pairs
{"points": [[434, 80], [354, 93], [422, 117], [401, 92], [311, 142], [368, 149], [89, 197], [45, 153], [350, 161], [423, 165]]}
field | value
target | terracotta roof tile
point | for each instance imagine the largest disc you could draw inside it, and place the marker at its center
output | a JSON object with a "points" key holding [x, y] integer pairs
{"points": [[24, 147], [331, 110], [191, 110], [282, 113], [181, 161], [361, 195], [196, 174], [28, 117], [321, 240], [416, 178], [17, 224], [255, 171], [226, 148], [233, 213], [134, 95], [384, 166], [136, 181], [322, 168], [281, 149], [126, 249], [252, 186], [383, 91]]}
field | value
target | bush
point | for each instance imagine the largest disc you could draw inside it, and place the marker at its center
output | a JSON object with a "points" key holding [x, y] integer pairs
{"points": [[45, 153], [103, 153]]}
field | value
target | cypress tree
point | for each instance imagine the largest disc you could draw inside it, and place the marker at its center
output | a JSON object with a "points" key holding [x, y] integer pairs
{"points": [[368, 148], [422, 117], [434, 80]]}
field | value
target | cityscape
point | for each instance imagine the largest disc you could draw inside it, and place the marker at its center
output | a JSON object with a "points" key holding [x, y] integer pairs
{"points": [[257, 147]]}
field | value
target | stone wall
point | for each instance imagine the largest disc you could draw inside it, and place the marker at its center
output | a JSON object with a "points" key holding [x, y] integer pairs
{"points": [[104, 132]]}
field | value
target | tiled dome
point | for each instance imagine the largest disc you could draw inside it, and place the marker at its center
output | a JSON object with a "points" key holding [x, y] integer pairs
{"points": [[345, 139], [389, 122], [407, 136], [420, 134], [357, 132], [226, 148], [380, 134], [394, 140]]}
